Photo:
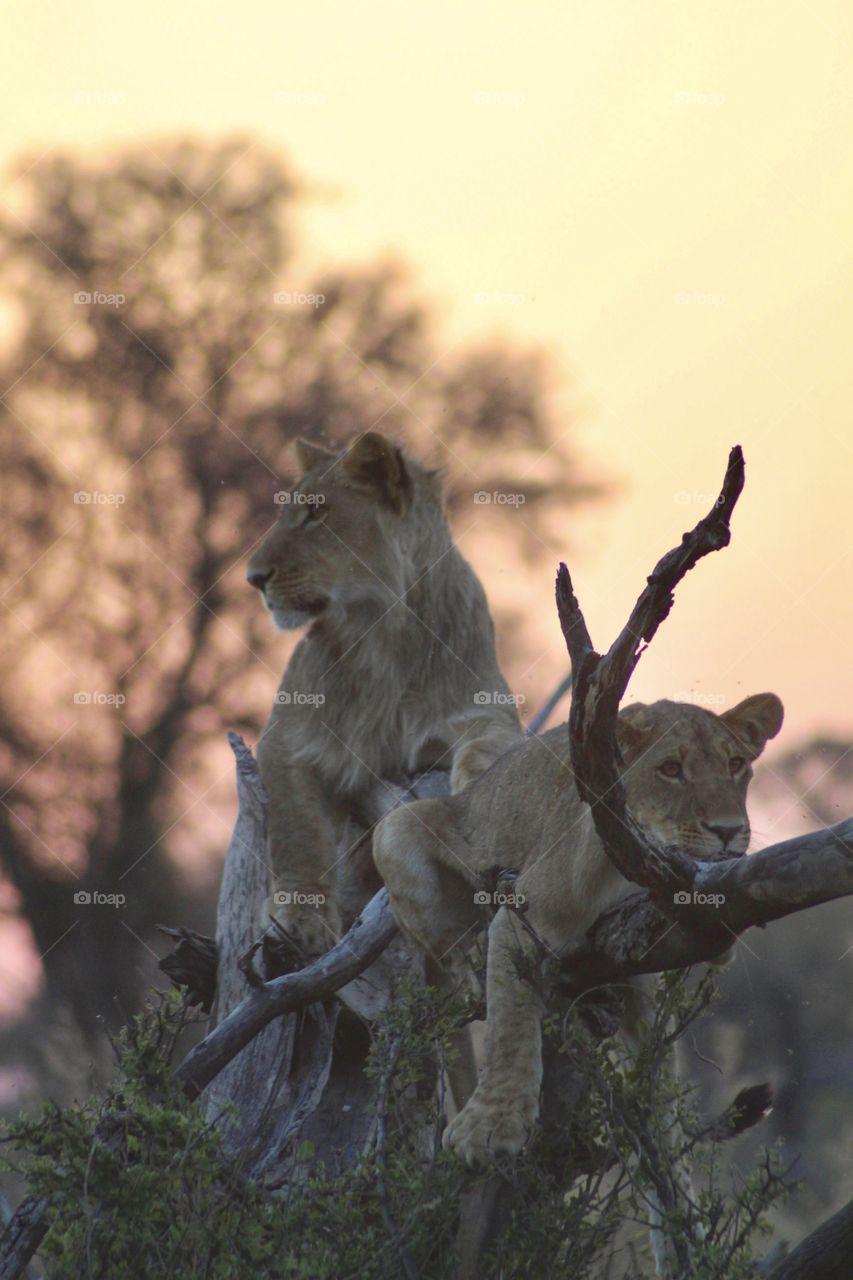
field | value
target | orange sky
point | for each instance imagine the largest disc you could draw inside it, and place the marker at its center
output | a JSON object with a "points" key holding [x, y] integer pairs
{"points": [[659, 192]]}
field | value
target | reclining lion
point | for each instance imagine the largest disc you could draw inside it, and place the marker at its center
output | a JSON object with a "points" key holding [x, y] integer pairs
{"points": [[685, 772]]}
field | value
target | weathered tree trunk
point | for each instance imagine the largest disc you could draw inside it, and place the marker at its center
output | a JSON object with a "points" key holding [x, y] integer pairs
{"points": [[23, 1234], [301, 1079], [826, 1254], [254, 1082]]}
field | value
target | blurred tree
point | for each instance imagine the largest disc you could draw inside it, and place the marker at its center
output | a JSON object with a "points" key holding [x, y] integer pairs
{"points": [[166, 353], [818, 779], [780, 1017]]}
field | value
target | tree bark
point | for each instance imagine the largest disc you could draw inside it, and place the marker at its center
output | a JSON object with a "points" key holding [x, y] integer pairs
{"points": [[23, 1235], [826, 1254], [636, 937], [278, 1081]]}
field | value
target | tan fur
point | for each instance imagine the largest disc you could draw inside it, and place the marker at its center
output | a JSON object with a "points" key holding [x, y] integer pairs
{"points": [[525, 813], [385, 682]]}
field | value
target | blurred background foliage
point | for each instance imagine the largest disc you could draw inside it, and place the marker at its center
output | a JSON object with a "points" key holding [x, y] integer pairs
{"points": [[175, 408], [172, 412]]}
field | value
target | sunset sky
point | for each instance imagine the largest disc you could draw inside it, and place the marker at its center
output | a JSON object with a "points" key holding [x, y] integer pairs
{"points": [[660, 193]]}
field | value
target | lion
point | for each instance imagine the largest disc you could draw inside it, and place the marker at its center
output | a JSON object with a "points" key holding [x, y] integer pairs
{"points": [[685, 771], [397, 672]]}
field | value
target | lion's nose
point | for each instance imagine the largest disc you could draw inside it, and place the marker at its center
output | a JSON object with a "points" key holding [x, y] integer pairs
{"points": [[725, 832], [258, 579]]}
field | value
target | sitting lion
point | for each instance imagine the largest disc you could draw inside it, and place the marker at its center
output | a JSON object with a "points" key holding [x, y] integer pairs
{"points": [[397, 672], [685, 773]]}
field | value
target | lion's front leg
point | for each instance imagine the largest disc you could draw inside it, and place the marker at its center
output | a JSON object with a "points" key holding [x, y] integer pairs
{"points": [[498, 1118], [301, 849]]}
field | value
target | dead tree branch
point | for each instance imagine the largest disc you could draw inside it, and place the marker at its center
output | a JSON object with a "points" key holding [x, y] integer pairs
{"points": [[636, 937], [366, 940], [192, 965], [600, 683]]}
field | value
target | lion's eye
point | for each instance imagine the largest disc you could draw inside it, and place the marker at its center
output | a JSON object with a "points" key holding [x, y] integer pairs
{"points": [[670, 769], [736, 764]]}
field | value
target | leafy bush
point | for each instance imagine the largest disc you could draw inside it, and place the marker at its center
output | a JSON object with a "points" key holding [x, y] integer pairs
{"points": [[143, 1189]]}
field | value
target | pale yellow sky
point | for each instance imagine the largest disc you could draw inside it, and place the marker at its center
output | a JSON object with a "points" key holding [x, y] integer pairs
{"points": [[661, 192]]}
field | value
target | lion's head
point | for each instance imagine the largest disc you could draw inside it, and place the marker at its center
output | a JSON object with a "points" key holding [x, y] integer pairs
{"points": [[686, 770], [345, 530]]}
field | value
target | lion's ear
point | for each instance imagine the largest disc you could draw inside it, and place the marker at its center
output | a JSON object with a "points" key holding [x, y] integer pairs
{"points": [[633, 728], [376, 464], [310, 455], [755, 720]]}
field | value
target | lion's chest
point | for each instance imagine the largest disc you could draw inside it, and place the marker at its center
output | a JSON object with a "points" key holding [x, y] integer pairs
{"points": [[354, 723]]}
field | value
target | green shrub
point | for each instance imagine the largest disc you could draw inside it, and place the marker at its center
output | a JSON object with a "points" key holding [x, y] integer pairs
{"points": [[144, 1190]]}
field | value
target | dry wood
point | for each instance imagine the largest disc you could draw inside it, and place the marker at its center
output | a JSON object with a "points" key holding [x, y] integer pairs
{"points": [[599, 684]]}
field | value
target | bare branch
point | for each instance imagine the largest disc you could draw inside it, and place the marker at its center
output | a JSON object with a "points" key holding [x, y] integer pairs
{"points": [[192, 965], [600, 683], [740, 893], [367, 939]]}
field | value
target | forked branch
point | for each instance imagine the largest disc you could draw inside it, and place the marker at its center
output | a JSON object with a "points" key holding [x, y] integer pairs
{"points": [[599, 684]]}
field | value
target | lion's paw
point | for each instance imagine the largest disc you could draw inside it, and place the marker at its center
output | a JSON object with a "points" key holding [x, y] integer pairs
{"points": [[310, 928], [490, 1126]]}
